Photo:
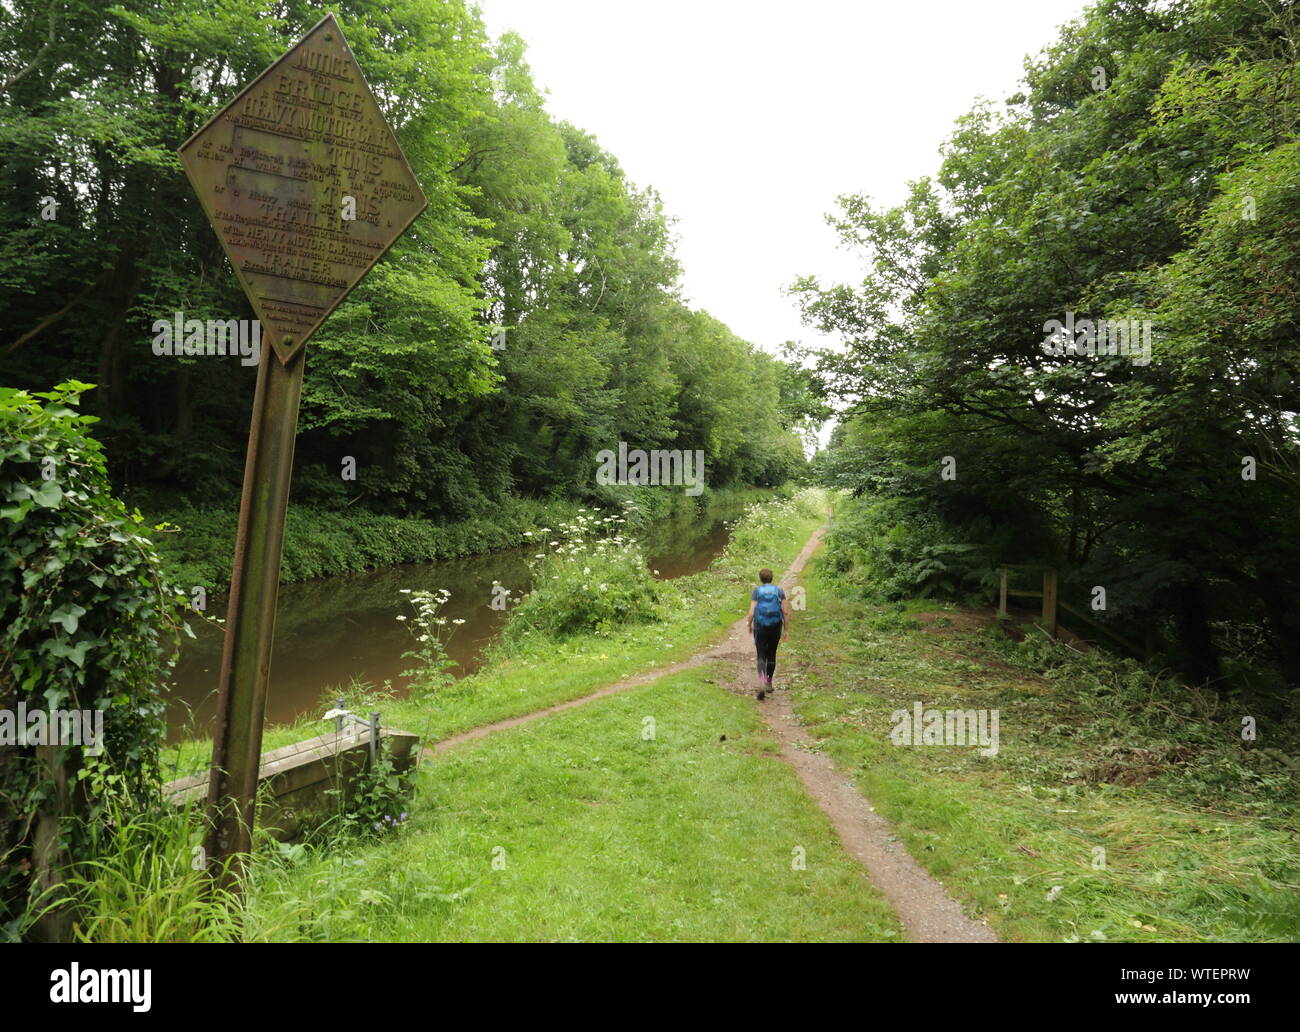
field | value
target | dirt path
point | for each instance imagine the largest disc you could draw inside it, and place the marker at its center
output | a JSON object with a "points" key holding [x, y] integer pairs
{"points": [[527, 718], [927, 912]]}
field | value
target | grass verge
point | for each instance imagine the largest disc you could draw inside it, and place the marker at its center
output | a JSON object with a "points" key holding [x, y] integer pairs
{"points": [[588, 827], [1088, 824]]}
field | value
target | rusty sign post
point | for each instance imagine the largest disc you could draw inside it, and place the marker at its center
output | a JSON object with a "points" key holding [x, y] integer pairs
{"points": [[306, 187]]}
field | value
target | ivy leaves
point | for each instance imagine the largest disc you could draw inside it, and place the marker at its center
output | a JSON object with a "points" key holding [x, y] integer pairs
{"points": [[86, 622], [68, 615]]}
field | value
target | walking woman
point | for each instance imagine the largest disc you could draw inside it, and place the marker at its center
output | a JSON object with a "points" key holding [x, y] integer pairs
{"points": [[769, 622]]}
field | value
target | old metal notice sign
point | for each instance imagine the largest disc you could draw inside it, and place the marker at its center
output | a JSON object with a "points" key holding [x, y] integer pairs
{"points": [[304, 183]]}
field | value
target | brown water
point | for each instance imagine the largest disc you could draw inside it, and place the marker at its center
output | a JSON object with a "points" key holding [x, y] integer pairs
{"points": [[332, 631]]}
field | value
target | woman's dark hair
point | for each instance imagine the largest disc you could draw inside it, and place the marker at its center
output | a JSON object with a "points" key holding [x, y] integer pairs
{"points": [[765, 575]]}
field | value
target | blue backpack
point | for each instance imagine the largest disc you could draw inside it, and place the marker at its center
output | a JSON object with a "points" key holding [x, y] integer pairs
{"points": [[768, 610]]}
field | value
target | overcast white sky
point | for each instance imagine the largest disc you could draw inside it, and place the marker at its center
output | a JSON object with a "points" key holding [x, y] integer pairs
{"points": [[750, 117]]}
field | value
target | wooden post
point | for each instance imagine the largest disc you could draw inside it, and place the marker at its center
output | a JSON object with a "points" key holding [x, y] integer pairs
{"points": [[250, 615], [1049, 599], [1002, 594]]}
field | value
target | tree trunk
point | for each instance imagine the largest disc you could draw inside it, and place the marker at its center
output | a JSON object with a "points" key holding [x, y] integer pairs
{"points": [[1191, 618], [48, 860], [110, 385]]}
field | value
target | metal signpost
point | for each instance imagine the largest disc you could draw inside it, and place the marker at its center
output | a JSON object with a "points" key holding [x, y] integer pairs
{"points": [[306, 187]]}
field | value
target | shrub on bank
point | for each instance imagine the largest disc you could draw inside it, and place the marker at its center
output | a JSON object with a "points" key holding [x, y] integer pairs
{"points": [[764, 523], [199, 546], [588, 577], [592, 577]]}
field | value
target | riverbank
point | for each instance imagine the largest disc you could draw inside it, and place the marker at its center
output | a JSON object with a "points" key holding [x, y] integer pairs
{"points": [[334, 630], [197, 545], [541, 671]]}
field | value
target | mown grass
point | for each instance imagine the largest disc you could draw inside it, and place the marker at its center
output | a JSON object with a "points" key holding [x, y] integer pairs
{"points": [[598, 833], [1085, 826]]}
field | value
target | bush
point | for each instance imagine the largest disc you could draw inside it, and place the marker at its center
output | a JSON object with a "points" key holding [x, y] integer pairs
{"points": [[766, 522], [587, 577], [197, 546], [895, 548], [88, 625]]}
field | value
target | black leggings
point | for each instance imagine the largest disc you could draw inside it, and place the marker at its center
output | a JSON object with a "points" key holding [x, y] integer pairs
{"points": [[766, 639]]}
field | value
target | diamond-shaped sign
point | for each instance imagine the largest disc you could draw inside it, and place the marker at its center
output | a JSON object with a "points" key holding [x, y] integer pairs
{"points": [[304, 183]]}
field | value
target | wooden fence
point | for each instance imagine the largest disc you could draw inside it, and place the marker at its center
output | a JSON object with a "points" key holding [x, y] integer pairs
{"points": [[1052, 606]]}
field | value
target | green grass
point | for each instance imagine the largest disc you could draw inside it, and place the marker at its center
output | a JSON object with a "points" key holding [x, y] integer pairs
{"points": [[1187, 858], [603, 835]]}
